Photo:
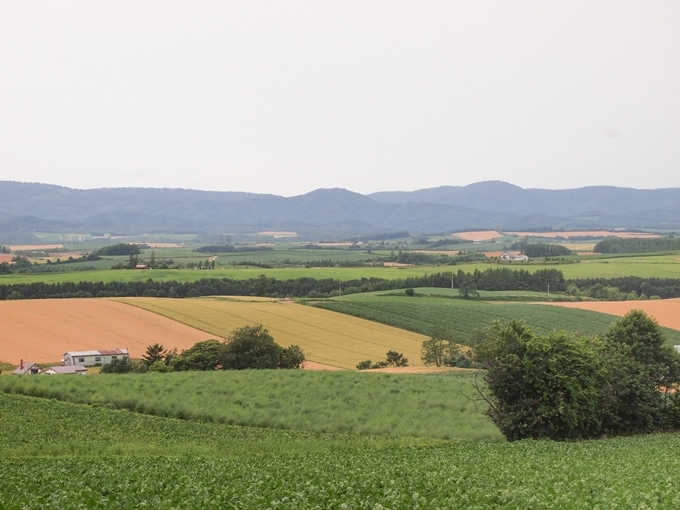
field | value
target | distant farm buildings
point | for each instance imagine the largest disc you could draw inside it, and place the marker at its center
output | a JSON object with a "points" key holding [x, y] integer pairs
{"points": [[509, 257], [30, 368], [27, 368], [92, 358], [66, 370]]}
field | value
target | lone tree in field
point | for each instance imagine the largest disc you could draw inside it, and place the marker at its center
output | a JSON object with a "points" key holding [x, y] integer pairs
{"points": [[154, 353], [438, 349], [254, 347], [467, 286], [541, 386], [396, 359], [201, 356]]}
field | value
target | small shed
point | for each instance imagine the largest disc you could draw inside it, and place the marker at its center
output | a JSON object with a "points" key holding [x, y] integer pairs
{"points": [[27, 368], [66, 370], [92, 358]]}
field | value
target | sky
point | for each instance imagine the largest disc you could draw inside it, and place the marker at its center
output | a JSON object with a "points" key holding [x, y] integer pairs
{"points": [[286, 97]]}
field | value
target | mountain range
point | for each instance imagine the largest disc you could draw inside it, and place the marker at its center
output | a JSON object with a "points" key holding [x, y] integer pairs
{"points": [[26, 208]]}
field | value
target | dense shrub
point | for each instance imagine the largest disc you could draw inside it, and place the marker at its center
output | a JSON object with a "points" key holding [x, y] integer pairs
{"points": [[565, 387]]}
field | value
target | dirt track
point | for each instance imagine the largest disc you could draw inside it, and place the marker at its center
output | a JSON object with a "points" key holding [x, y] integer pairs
{"points": [[42, 330], [665, 311]]}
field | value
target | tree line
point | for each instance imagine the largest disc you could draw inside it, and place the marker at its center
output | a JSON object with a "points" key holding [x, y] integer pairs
{"points": [[637, 245], [662, 287], [489, 279]]}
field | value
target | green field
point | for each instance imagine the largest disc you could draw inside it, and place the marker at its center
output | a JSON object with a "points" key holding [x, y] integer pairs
{"points": [[659, 266], [432, 406], [60, 455], [422, 314]]}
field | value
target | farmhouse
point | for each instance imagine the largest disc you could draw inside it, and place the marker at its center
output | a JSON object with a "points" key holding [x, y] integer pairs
{"points": [[27, 368], [509, 257], [91, 358], [66, 370]]}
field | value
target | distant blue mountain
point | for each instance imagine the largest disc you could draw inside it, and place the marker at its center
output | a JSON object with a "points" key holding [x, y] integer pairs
{"points": [[29, 207]]}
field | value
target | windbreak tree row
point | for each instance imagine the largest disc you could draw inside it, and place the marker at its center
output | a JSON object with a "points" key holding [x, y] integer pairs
{"points": [[489, 279]]}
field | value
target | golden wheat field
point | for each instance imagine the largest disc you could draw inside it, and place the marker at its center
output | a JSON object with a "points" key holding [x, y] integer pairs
{"points": [[326, 337]]}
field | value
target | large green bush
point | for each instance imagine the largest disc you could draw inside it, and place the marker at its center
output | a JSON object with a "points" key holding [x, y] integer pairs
{"points": [[562, 386]]}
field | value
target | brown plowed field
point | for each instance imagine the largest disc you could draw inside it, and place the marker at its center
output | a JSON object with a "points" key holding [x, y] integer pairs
{"points": [[42, 330], [587, 233], [29, 247], [482, 235], [665, 311]]}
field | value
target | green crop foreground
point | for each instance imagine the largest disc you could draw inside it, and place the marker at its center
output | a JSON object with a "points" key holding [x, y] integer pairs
{"points": [[403, 405], [59, 455]]}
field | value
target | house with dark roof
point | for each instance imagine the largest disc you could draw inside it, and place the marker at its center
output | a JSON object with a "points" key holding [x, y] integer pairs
{"points": [[27, 368]]}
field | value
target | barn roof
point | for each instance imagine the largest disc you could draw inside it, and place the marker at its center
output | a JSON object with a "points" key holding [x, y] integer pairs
{"points": [[67, 369], [101, 352], [26, 370]]}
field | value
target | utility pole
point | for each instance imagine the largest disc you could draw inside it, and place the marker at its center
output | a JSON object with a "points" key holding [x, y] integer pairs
{"points": [[340, 287]]}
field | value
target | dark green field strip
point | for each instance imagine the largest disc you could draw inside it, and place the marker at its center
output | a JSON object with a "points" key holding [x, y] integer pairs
{"points": [[463, 317], [369, 404], [242, 468]]}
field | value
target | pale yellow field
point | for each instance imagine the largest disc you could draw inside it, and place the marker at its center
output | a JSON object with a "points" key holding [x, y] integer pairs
{"points": [[326, 337]]}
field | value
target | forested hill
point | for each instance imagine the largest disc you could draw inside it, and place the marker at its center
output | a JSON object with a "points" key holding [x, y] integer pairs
{"points": [[30, 207], [593, 201], [139, 210]]}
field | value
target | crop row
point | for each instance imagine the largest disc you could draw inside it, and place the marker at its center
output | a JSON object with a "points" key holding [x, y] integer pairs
{"points": [[275, 469], [463, 318], [435, 407]]}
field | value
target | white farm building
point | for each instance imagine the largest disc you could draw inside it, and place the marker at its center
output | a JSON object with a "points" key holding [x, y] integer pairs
{"points": [[509, 257], [91, 358]]}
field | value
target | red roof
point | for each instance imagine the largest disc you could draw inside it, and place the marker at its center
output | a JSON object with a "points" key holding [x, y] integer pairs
{"points": [[109, 352]]}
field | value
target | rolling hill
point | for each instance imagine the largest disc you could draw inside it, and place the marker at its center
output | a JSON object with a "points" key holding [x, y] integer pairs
{"points": [[26, 208]]}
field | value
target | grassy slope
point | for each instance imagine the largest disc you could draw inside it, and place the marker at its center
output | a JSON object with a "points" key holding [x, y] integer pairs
{"points": [[324, 336], [421, 314], [303, 400], [664, 266], [61, 455]]}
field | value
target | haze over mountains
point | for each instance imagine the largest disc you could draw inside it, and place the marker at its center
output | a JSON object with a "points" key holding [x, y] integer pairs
{"points": [[26, 208]]}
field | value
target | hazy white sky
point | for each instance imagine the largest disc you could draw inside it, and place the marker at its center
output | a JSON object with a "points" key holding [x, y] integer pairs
{"points": [[284, 97]]}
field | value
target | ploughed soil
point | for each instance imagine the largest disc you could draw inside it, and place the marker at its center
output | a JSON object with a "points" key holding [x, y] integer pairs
{"points": [[41, 330], [415, 370], [586, 233], [665, 311], [482, 235], [29, 247]]}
